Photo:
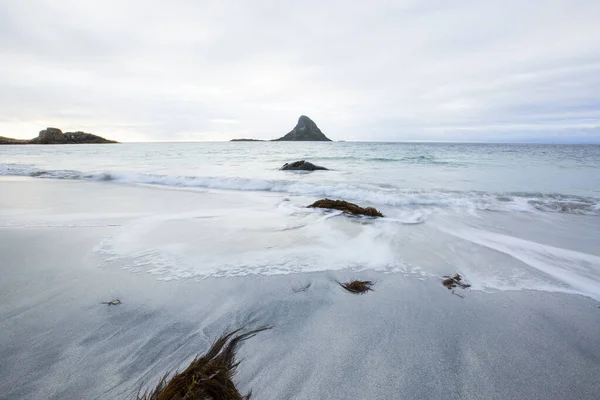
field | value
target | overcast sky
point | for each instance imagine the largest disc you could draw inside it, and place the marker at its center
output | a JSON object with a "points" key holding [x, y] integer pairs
{"points": [[362, 70]]}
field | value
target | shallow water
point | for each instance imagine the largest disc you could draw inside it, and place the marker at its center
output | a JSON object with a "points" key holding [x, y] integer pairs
{"points": [[509, 217]]}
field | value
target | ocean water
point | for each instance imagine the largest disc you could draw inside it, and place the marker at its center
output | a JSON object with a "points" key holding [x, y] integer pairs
{"points": [[506, 216]]}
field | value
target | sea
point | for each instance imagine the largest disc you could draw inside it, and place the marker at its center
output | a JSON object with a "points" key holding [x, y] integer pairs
{"points": [[505, 216]]}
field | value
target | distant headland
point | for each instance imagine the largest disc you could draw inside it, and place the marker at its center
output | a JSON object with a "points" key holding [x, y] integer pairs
{"points": [[304, 131], [56, 136]]}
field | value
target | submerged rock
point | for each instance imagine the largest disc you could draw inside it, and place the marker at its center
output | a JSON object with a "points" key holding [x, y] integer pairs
{"points": [[346, 207], [301, 166], [305, 130]]}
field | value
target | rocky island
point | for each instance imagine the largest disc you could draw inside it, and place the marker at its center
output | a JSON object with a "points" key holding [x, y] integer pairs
{"points": [[304, 131], [56, 136]]}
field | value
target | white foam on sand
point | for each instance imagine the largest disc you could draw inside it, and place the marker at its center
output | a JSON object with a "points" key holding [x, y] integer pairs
{"points": [[195, 235], [177, 246], [556, 269]]}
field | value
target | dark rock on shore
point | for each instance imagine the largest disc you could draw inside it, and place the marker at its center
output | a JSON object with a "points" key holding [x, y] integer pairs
{"points": [[302, 166], [305, 130], [349, 208], [56, 136]]}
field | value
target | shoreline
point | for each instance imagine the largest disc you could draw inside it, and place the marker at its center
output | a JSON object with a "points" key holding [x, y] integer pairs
{"points": [[414, 334], [409, 337]]}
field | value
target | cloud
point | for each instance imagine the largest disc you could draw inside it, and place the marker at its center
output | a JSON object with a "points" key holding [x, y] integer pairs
{"points": [[382, 70]]}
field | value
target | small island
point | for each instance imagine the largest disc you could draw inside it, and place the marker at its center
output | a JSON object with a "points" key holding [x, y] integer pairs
{"points": [[304, 131], [56, 136]]}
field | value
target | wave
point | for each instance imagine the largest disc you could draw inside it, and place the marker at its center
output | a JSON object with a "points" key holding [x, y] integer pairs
{"points": [[376, 195], [419, 159]]}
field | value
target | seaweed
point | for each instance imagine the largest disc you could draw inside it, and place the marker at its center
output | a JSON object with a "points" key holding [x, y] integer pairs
{"points": [[357, 287], [208, 377], [115, 302], [346, 207], [452, 282]]}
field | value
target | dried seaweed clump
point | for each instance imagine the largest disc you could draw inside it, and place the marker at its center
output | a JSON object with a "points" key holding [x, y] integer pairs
{"points": [[452, 282], [208, 377], [349, 208], [357, 287]]}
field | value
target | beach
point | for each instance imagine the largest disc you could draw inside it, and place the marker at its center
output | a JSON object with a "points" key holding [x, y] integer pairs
{"points": [[68, 245], [389, 200]]}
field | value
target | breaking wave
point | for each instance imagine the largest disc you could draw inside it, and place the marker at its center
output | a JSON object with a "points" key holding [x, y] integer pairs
{"points": [[377, 195]]}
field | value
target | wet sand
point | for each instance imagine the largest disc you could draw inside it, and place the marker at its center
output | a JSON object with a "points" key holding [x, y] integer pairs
{"points": [[409, 338]]}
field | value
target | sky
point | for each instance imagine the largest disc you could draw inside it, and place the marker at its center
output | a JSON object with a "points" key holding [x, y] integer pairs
{"points": [[195, 70]]}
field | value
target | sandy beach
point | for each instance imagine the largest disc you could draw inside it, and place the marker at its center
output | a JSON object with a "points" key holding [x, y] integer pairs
{"points": [[409, 338], [260, 200]]}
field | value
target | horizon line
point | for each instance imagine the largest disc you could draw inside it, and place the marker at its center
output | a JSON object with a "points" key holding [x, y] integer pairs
{"points": [[375, 141]]}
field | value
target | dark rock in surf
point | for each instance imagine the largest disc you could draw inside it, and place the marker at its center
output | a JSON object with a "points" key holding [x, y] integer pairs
{"points": [[305, 130], [348, 208], [302, 166]]}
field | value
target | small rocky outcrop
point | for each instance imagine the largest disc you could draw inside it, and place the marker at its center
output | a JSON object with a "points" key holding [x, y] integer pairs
{"points": [[246, 140], [56, 136], [302, 166], [6, 140], [348, 208], [305, 130], [50, 136]]}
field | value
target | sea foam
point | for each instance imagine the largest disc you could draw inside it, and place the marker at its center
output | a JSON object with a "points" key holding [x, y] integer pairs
{"points": [[370, 193]]}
